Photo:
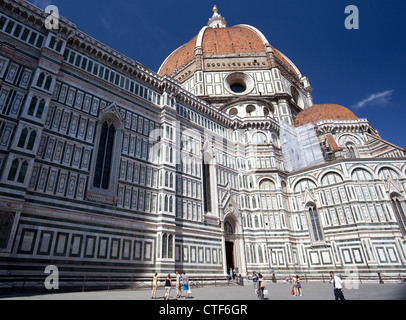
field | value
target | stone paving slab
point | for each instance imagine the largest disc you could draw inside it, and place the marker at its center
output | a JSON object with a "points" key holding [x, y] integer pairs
{"points": [[279, 291]]}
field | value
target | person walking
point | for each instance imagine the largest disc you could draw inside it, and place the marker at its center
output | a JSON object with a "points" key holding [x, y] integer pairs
{"points": [[338, 286], [294, 285], [299, 286], [178, 285], [168, 286], [154, 286], [255, 282], [261, 286], [186, 288]]}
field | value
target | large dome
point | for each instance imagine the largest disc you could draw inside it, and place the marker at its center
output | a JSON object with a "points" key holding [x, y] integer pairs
{"points": [[319, 112], [239, 39]]}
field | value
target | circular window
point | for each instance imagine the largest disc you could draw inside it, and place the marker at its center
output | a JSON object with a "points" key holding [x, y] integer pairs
{"points": [[250, 109], [238, 87], [233, 112], [239, 83]]}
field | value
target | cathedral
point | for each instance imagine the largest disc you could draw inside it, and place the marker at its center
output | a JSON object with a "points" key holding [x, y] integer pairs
{"points": [[218, 160]]}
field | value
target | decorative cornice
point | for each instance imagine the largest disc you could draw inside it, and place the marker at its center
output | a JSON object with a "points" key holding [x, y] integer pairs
{"points": [[359, 125]]}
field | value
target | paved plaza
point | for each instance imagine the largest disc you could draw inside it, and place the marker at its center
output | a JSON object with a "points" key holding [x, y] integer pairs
{"points": [[278, 291]]}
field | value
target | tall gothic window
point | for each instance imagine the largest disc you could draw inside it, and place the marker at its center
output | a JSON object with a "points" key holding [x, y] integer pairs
{"points": [[104, 156], [399, 213], [6, 222], [315, 224], [206, 187], [167, 245]]}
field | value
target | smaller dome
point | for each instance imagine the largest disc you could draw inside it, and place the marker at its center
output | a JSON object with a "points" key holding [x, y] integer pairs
{"points": [[319, 112]]}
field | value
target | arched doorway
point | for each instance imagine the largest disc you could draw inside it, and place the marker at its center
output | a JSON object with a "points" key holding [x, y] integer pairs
{"points": [[229, 242], [233, 238]]}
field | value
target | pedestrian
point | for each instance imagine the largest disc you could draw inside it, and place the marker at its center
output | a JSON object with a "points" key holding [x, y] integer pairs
{"points": [[168, 286], [186, 288], [230, 274], [261, 286], [178, 285], [294, 285], [255, 282], [154, 286], [246, 275], [338, 286], [299, 286]]}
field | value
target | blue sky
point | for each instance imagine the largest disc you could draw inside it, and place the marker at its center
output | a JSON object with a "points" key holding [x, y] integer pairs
{"points": [[361, 69]]}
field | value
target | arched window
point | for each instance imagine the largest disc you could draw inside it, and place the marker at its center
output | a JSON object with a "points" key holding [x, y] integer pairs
{"points": [[331, 178], [170, 245], [36, 107], [254, 202], [170, 204], [31, 140], [23, 172], [251, 182], [32, 106], [315, 223], [259, 138], [23, 137], [361, 174], [260, 255], [164, 246], [167, 154], [104, 156], [40, 80], [44, 81], [267, 184], [166, 203], [256, 221], [13, 170], [166, 179], [6, 223], [386, 171], [250, 109], [233, 112], [398, 209], [40, 109], [48, 83], [167, 246], [303, 184], [18, 169]]}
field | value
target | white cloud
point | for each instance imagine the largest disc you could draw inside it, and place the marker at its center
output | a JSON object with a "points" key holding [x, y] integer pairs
{"points": [[378, 98]]}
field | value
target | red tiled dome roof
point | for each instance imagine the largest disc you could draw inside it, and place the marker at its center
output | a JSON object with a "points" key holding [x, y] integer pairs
{"points": [[239, 39], [319, 112], [236, 39]]}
